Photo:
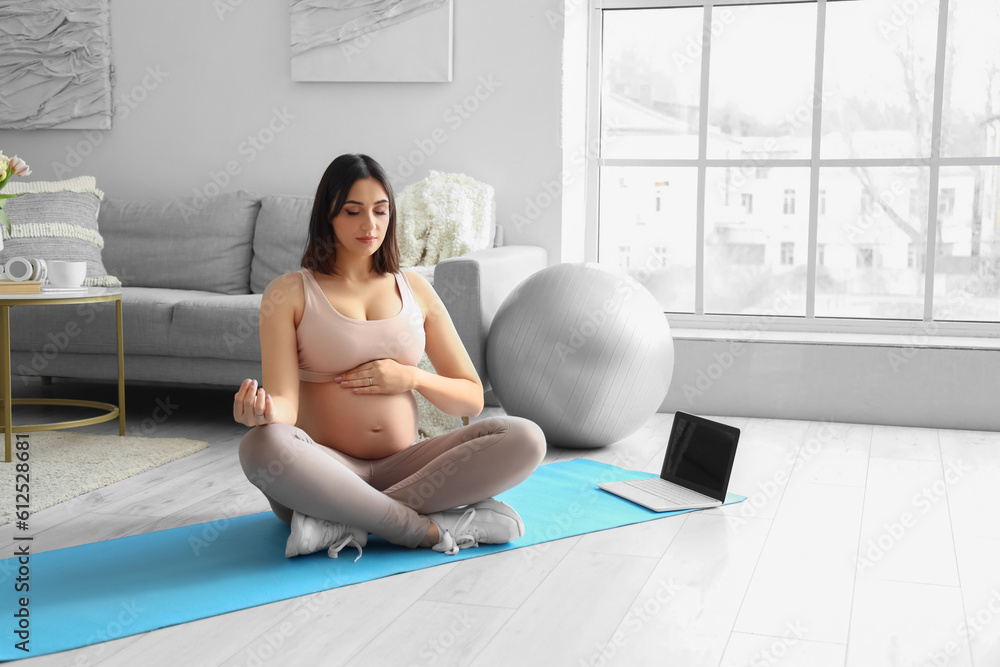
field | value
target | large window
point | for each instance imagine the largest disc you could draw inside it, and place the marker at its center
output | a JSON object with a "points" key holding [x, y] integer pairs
{"points": [[838, 158]]}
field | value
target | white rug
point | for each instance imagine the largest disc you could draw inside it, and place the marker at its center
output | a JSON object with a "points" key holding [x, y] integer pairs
{"points": [[64, 465]]}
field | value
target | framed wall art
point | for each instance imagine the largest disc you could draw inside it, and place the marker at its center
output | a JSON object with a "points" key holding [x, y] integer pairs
{"points": [[55, 64], [371, 40]]}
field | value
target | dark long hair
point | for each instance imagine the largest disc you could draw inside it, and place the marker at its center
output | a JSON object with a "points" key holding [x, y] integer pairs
{"points": [[334, 187]]}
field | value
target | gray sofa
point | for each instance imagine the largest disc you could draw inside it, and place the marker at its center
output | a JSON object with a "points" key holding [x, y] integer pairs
{"points": [[192, 276]]}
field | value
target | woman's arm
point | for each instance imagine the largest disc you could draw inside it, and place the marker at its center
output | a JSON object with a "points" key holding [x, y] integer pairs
{"points": [[456, 388], [279, 347]]}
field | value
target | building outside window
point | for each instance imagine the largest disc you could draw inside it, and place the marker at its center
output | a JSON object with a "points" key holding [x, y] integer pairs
{"points": [[915, 257], [865, 256], [867, 206], [788, 208], [787, 253], [623, 256], [946, 202], [660, 255], [716, 122]]}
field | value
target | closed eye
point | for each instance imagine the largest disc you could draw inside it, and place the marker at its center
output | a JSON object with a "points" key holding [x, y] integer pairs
{"points": [[385, 212]]}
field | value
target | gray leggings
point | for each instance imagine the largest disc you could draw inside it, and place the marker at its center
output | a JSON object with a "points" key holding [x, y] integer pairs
{"points": [[392, 496]]}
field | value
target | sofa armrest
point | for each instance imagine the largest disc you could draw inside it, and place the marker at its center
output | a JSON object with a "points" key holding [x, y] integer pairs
{"points": [[474, 286]]}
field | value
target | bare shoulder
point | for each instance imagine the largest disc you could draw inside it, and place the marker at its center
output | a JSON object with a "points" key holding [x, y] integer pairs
{"points": [[285, 291], [284, 283], [427, 296], [419, 284], [422, 289]]}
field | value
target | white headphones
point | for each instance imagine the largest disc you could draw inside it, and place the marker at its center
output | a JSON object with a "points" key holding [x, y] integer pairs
{"points": [[20, 269]]}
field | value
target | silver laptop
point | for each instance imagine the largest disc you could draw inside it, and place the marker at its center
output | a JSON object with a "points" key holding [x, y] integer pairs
{"points": [[696, 468]]}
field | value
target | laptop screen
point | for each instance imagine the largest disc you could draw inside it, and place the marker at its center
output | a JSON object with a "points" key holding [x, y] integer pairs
{"points": [[700, 455]]}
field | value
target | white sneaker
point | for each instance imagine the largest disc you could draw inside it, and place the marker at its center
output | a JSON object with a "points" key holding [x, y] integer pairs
{"points": [[486, 522], [310, 535]]}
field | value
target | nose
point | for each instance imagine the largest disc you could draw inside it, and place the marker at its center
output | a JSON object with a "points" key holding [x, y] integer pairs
{"points": [[369, 224]]}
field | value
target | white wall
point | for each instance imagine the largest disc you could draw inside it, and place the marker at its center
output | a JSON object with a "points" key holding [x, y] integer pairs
{"points": [[902, 384], [219, 80]]}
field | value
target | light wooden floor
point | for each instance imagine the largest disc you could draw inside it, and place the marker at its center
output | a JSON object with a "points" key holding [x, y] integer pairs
{"points": [[858, 545]]}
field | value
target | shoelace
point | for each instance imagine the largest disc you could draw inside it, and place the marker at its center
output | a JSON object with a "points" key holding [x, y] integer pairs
{"points": [[450, 544], [348, 540]]}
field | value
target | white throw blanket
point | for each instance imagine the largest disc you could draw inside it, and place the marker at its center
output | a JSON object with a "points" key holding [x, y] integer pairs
{"points": [[444, 215]]}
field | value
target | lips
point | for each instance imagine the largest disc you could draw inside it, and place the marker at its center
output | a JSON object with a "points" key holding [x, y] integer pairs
{"points": [[367, 239]]}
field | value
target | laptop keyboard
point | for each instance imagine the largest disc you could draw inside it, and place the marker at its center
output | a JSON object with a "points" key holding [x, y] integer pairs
{"points": [[670, 492]]}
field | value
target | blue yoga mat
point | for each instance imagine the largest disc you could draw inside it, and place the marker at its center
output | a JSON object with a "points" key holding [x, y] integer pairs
{"points": [[96, 592]]}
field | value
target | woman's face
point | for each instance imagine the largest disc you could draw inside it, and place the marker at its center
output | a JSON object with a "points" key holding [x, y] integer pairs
{"points": [[361, 225]]}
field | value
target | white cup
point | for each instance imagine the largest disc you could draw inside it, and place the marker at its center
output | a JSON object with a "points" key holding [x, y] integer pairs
{"points": [[67, 274], [18, 269]]}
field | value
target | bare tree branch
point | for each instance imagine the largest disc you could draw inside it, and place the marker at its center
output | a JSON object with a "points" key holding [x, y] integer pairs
{"points": [[861, 173]]}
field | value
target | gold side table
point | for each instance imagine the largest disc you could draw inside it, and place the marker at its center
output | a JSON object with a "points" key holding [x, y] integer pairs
{"points": [[92, 295]]}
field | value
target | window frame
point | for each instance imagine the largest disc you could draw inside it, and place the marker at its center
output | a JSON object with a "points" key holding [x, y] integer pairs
{"points": [[809, 322]]}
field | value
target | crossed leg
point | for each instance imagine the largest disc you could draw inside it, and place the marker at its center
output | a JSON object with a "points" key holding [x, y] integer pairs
{"points": [[390, 497]]}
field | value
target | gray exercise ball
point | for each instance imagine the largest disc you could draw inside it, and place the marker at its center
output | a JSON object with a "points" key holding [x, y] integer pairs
{"points": [[583, 351]]}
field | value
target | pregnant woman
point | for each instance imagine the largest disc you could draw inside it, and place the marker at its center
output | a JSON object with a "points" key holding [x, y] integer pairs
{"points": [[333, 441]]}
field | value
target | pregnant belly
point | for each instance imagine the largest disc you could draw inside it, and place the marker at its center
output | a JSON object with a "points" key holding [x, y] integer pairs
{"points": [[368, 426]]}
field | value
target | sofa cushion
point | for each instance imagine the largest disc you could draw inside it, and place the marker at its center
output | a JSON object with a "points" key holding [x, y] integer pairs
{"points": [[279, 238], [89, 328], [196, 243], [156, 321], [217, 326], [57, 221]]}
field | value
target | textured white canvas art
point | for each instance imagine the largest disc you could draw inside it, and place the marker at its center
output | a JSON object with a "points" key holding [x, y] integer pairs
{"points": [[55, 64], [371, 40]]}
